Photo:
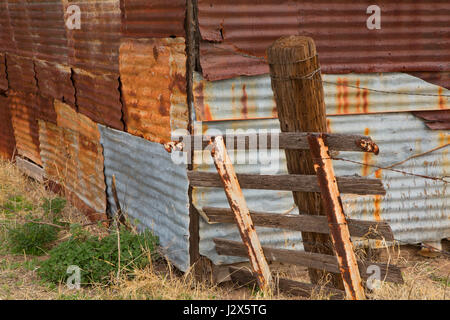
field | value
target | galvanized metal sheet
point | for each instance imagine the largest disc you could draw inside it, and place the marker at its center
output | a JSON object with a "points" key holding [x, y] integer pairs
{"points": [[252, 97], [98, 97], [153, 18], [26, 109], [54, 81], [21, 74], [414, 35], [151, 189], [417, 209], [153, 74], [3, 74], [7, 140], [72, 156], [95, 46]]}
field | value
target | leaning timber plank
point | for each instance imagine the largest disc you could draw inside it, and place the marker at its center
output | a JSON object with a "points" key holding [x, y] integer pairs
{"points": [[305, 223], [30, 169], [282, 140], [317, 261], [245, 277], [289, 182]]}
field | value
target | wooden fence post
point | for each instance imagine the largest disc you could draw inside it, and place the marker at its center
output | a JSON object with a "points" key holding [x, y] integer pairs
{"points": [[298, 91], [241, 214], [340, 234]]}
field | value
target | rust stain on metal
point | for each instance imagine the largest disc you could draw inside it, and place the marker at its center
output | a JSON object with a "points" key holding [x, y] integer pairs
{"points": [[436, 119], [377, 200], [368, 145], [21, 74], [241, 213], [7, 139], [153, 19], [340, 234], [72, 156], [441, 99], [26, 109], [201, 108], [154, 87], [406, 43], [3, 75], [366, 157], [244, 101]]}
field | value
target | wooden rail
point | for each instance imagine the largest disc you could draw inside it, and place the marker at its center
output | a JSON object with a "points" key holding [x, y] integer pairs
{"points": [[306, 223], [317, 261], [289, 182]]}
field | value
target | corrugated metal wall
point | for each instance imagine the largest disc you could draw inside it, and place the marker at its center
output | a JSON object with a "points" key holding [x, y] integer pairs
{"points": [[152, 190]]}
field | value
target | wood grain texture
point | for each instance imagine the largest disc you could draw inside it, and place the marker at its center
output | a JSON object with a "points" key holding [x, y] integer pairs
{"points": [[307, 223], [312, 260], [290, 182]]}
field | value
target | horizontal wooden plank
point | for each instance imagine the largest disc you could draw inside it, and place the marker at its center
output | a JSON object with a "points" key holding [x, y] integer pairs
{"points": [[318, 261], [289, 182], [301, 289], [282, 140], [30, 169], [305, 223]]}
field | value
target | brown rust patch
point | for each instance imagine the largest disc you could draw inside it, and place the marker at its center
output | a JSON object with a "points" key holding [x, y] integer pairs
{"points": [[441, 99], [365, 96], [377, 200], [244, 102], [204, 113], [339, 96], [358, 96], [345, 95], [366, 158]]}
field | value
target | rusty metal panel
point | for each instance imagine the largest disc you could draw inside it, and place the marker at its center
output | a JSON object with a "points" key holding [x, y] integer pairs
{"points": [[7, 140], [72, 156], [21, 74], [435, 120], [6, 33], [26, 109], [20, 24], [3, 73], [98, 97], [438, 78], [417, 209], [153, 74], [252, 97], [153, 18], [414, 35], [95, 46], [54, 81], [152, 190]]}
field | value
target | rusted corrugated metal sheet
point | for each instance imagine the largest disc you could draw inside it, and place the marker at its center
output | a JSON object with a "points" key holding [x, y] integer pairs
{"points": [[26, 109], [73, 157], [54, 81], [3, 75], [153, 74], [95, 46], [153, 18], [435, 120], [21, 74], [414, 35], [438, 78], [252, 97], [98, 97], [7, 140], [6, 38], [152, 190]]}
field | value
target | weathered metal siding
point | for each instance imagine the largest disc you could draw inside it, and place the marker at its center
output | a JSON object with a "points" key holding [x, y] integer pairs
{"points": [[54, 81], [252, 97], [3, 75], [98, 97], [7, 140], [6, 38], [153, 74], [26, 109], [95, 46], [417, 209], [153, 18], [151, 189], [21, 74], [73, 157], [435, 120], [414, 35]]}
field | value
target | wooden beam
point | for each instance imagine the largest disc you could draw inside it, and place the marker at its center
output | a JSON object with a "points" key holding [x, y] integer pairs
{"points": [[337, 222], [317, 261], [289, 182], [305, 223], [30, 169], [245, 277], [282, 140], [241, 214]]}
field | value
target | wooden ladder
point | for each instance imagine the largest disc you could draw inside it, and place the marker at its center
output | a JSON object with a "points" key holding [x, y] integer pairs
{"points": [[352, 270]]}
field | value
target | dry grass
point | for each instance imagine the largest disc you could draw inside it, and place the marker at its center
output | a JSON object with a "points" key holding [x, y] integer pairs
{"points": [[425, 278]]}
